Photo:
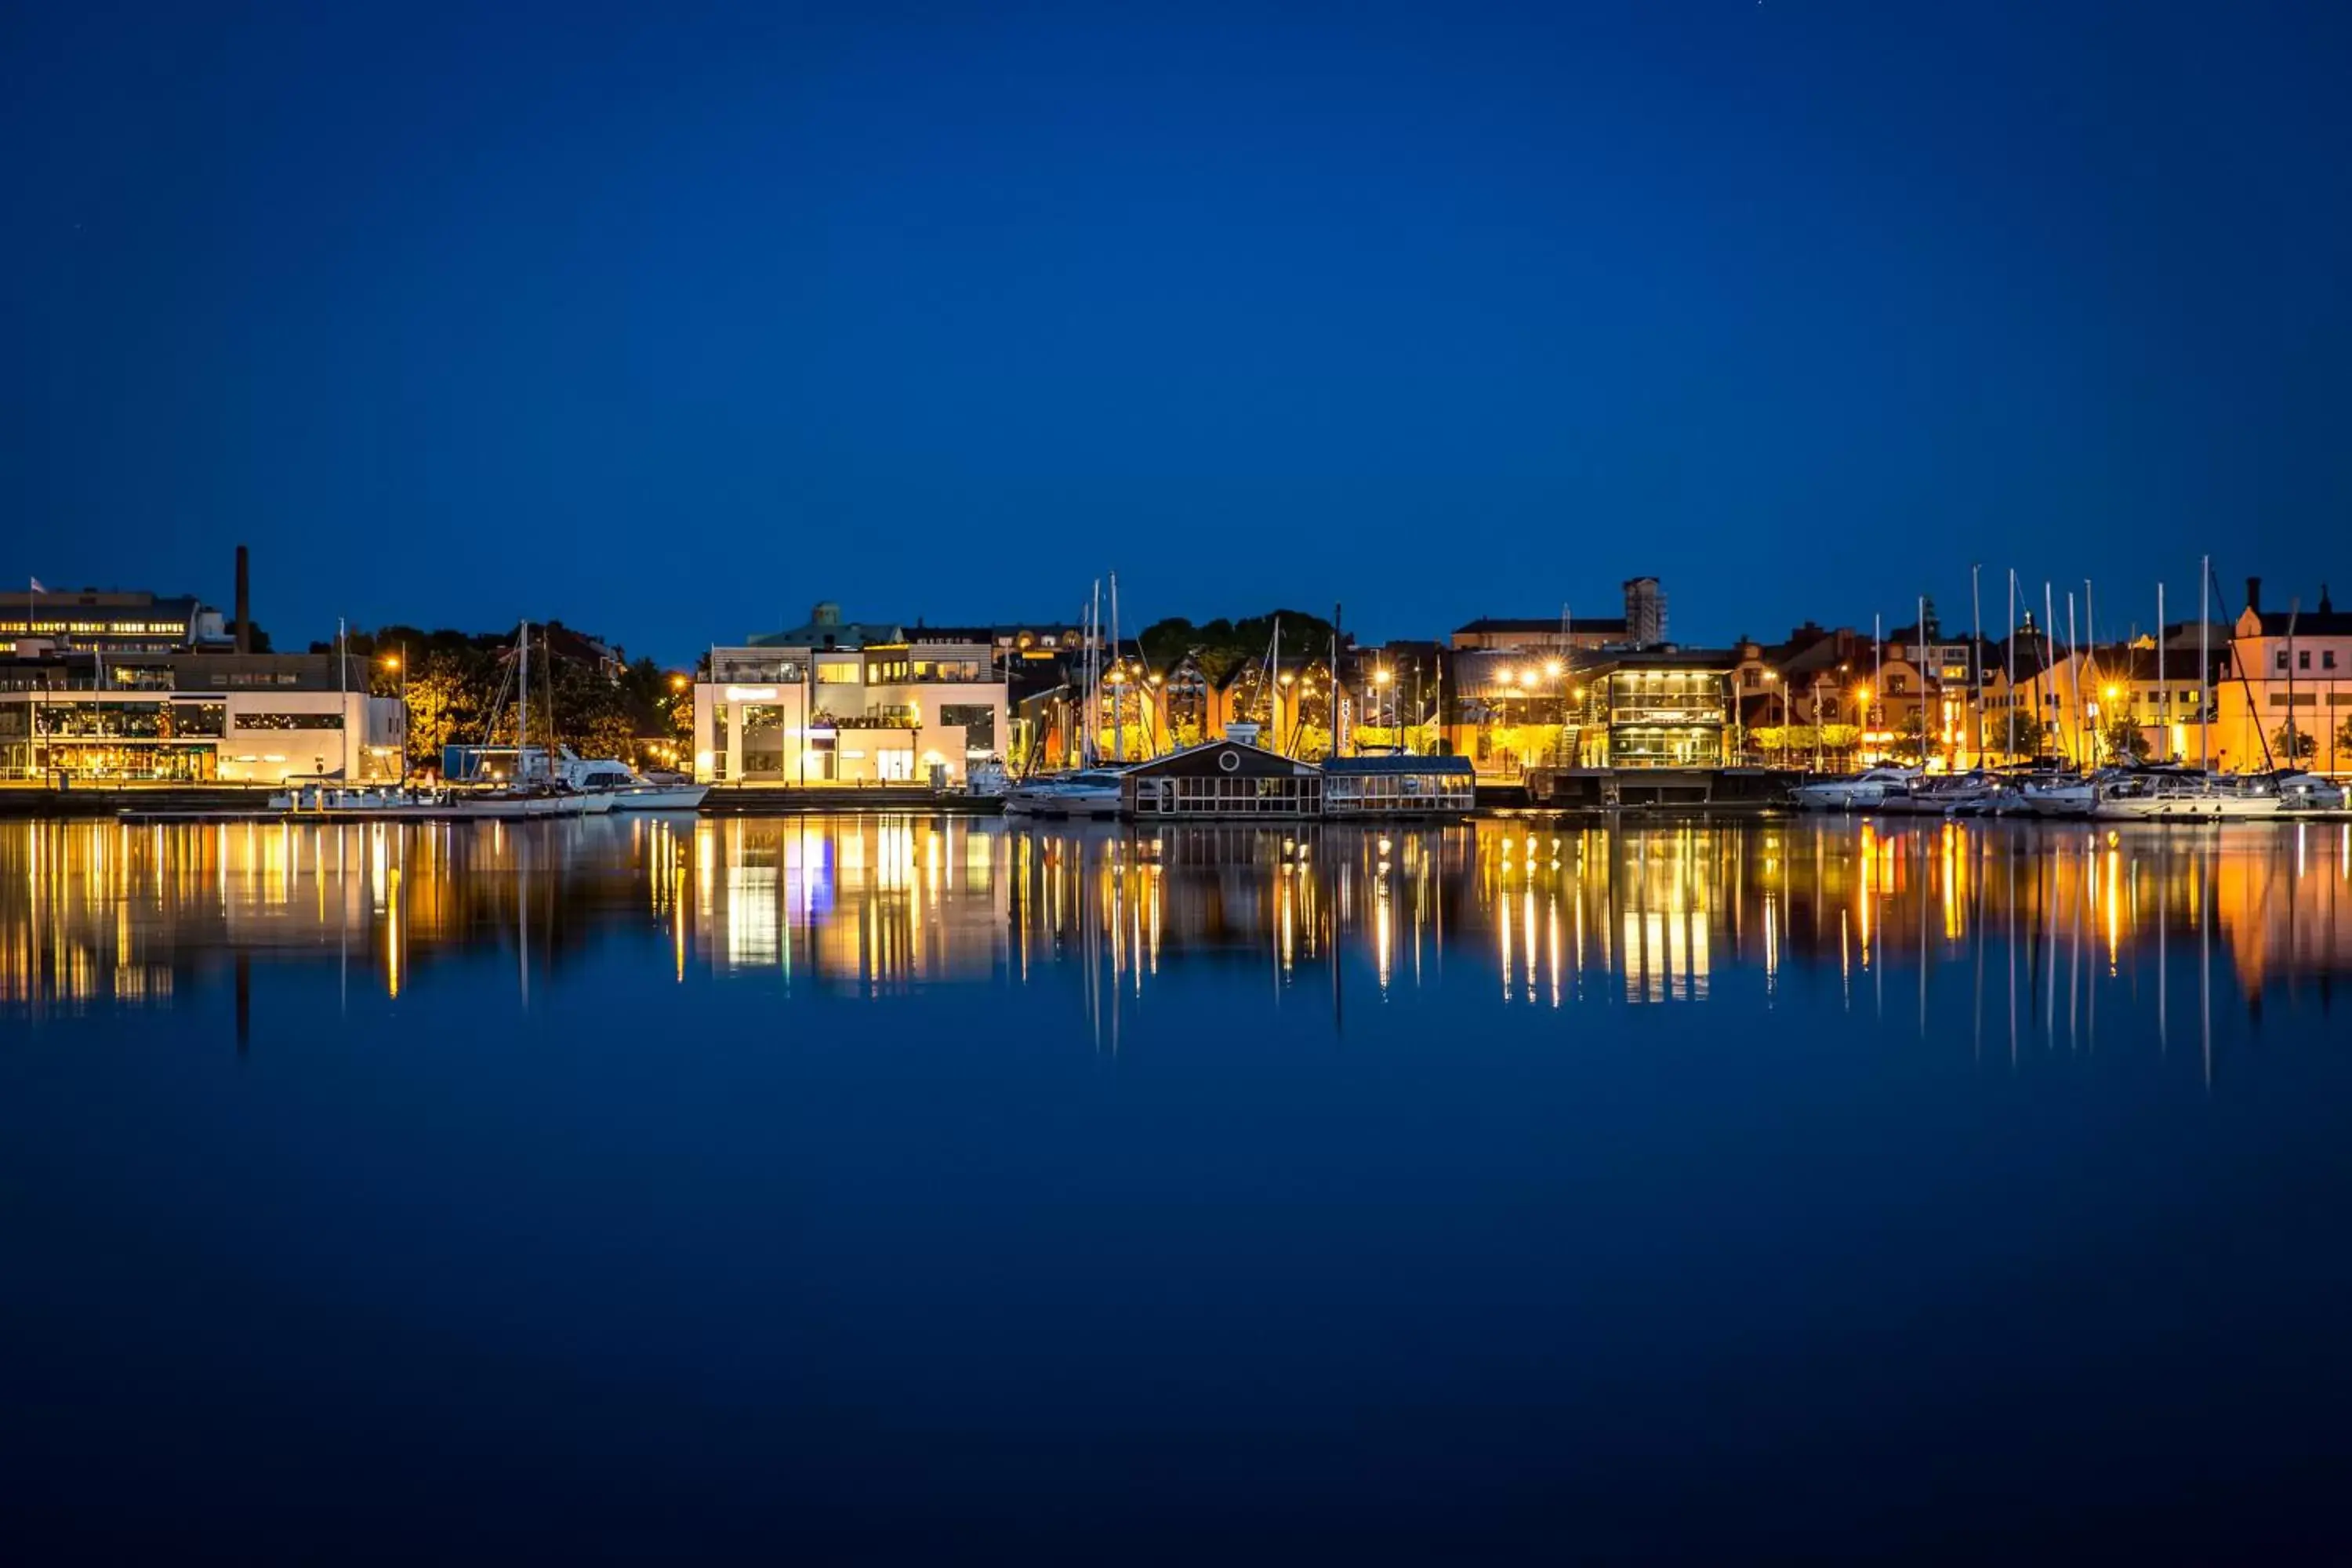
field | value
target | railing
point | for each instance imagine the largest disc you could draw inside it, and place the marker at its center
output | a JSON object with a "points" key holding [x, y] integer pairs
{"points": [[868, 721]]}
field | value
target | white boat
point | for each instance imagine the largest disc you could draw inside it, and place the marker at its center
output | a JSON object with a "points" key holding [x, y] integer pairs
{"points": [[2058, 795], [622, 788], [1089, 792], [1859, 792], [332, 799], [1948, 795], [2309, 792], [2185, 798], [987, 779]]}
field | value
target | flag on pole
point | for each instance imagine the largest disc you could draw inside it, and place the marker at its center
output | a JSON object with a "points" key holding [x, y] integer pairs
{"points": [[36, 585]]}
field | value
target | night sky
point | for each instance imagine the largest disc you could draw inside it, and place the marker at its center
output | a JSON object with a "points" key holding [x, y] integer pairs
{"points": [[668, 320]]}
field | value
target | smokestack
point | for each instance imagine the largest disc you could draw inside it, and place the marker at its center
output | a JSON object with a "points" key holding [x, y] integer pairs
{"points": [[2254, 594], [244, 603]]}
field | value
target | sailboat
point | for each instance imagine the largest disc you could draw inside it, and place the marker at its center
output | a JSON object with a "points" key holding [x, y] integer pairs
{"points": [[524, 797], [1091, 790]]}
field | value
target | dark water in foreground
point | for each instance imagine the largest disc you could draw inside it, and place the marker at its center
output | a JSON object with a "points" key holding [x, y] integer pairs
{"points": [[899, 1187]]}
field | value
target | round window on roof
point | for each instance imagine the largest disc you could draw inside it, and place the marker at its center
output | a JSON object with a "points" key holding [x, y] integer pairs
{"points": [[1230, 761]]}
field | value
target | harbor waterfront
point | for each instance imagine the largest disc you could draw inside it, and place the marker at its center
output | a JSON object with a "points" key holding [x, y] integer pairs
{"points": [[825, 1178]]}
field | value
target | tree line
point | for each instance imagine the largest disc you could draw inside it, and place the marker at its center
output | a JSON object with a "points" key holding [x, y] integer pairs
{"points": [[460, 688]]}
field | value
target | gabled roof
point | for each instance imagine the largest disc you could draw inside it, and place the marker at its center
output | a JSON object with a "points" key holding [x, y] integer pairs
{"points": [[1249, 761]]}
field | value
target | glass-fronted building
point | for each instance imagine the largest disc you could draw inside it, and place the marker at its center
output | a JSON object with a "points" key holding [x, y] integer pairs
{"points": [[1657, 708], [844, 702]]}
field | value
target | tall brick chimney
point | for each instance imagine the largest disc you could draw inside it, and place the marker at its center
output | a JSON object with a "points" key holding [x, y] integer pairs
{"points": [[244, 603], [2254, 594]]}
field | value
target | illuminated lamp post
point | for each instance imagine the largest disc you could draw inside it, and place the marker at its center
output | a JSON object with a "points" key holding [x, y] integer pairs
{"points": [[398, 662]]}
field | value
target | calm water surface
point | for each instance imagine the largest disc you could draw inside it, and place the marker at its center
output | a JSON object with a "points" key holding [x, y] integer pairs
{"points": [[898, 1186]]}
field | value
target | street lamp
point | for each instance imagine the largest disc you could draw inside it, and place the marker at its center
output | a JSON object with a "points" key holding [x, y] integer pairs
{"points": [[399, 662]]}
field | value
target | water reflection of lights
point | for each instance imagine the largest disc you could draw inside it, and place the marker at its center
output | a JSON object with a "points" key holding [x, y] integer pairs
{"points": [[92, 912]]}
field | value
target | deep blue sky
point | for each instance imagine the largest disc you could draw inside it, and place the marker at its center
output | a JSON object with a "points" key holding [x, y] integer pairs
{"points": [[669, 321]]}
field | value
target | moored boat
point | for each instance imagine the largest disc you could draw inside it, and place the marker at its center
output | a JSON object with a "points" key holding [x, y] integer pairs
{"points": [[2154, 797], [1089, 792], [1855, 792]]}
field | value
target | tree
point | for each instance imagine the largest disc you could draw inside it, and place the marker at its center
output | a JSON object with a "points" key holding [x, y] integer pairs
{"points": [[2293, 746], [1222, 646], [2344, 736], [2122, 737], [1911, 735]]}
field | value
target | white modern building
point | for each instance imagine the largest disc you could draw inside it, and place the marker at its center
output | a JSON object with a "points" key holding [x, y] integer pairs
{"points": [[846, 702], [194, 717]]}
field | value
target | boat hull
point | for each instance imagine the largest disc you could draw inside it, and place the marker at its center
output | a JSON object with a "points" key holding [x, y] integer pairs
{"points": [[1049, 802], [2189, 808], [660, 798]]}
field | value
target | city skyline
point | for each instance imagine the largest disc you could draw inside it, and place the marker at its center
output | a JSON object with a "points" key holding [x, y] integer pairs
{"points": [[1781, 302]]}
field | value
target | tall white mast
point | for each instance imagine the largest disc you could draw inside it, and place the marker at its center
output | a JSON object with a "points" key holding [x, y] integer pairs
{"points": [[1922, 682], [1877, 682], [1273, 684], [2009, 736], [2163, 698], [522, 713], [1976, 656], [2074, 673], [343, 688], [2204, 665], [1118, 692], [2050, 652]]}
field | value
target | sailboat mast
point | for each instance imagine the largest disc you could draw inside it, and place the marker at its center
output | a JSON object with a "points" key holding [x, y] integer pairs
{"points": [[1922, 682], [1878, 685], [1976, 655], [2074, 673], [1331, 697], [2163, 698], [2010, 735], [1273, 684], [2050, 656], [522, 713], [343, 688], [2205, 666], [1118, 692]]}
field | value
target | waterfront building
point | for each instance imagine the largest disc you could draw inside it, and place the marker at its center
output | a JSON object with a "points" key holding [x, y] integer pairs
{"points": [[2289, 666], [837, 701], [1657, 708], [1509, 711], [1398, 786], [107, 621], [1222, 779], [197, 718]]}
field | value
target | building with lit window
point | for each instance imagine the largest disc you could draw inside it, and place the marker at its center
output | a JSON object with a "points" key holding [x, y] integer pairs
{"points": [[199, 717], [839, 701], [1657, 708], [2289, 668], [94, 620]]}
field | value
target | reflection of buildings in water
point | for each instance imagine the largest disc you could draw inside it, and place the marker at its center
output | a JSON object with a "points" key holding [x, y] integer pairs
{"points": [[865, 900], [109, 912], [1557, 912], [2286, 914]]}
